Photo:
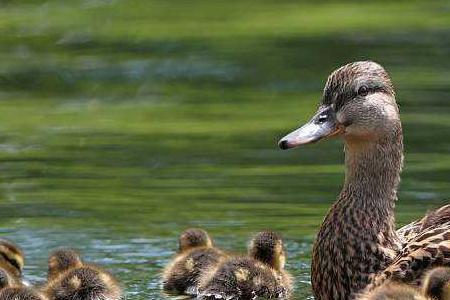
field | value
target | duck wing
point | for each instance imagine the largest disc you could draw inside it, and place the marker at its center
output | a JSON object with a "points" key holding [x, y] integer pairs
{"points": [[426, 245], [433, 219]]}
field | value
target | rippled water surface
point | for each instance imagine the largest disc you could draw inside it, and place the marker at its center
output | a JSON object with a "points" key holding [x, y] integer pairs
{"points": [[124, 122]]}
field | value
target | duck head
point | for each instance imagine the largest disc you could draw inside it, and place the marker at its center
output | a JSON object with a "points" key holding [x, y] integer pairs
{"points": [[267, 247], [194, 237], [62, 260], [358, 104]]}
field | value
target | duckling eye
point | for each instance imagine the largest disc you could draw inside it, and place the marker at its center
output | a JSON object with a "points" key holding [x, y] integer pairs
{"points": [[363, 90]]}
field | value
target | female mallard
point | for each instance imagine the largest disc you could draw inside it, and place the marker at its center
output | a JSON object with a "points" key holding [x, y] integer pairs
{"points": [[71, 279], [260, 274], [196, 254], [357, 245]]}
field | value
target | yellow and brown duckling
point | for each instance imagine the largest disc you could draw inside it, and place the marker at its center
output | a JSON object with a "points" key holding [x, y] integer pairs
{"points": [[71, 279], [260, 274], [196, 254], [21, 293], [437, 284], [11, 258], [393, 291]]}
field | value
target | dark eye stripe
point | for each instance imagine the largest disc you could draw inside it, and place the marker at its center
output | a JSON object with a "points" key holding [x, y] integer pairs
{"points": [[12, 262]]}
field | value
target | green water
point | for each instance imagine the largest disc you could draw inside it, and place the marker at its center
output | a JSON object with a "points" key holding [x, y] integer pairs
{"points": [[124, 122]]}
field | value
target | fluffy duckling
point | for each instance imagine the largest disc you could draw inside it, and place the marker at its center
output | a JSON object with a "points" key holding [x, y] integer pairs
{"points": [[62, 260], [11, 258], [260, 274], [71, 279], [391, 291], [437, 284], [21, 293], [196, 254]]}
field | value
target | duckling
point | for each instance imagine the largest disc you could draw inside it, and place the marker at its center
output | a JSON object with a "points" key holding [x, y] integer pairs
{"points": [[391, 291], [260, 274], [196, 253], [21, 293], [71, 279], [62, 260], [11, 258], [437, 283]]}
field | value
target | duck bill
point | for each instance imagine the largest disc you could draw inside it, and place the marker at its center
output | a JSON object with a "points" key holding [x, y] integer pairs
{"points": [[323, 124]]}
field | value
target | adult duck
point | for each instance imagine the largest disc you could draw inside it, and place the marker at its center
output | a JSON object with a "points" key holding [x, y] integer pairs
{"points": [[357, 246]]}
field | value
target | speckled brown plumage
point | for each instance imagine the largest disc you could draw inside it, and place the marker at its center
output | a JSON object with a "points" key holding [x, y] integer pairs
{"points": [[357, 246], [259, 275], [196, 254]]}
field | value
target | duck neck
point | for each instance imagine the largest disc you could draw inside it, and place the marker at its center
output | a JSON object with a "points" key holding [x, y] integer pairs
{"points": [[357, 238], [371, 180]]}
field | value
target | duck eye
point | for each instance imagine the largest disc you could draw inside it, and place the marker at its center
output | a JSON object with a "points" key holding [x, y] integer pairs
{"points": [[363, 90]]}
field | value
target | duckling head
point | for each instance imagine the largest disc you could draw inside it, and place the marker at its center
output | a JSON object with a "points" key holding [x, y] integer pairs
{"points": [[267, 247], [194, 237], [62, 260], [86, 283], [11, 257], [358, 104], [21, 293], [437, 283]]}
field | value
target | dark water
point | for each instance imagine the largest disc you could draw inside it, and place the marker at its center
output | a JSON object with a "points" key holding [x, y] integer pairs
{"points": [[124, 122]]}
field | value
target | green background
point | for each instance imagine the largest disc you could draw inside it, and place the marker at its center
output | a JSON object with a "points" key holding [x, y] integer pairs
{"points": [[124, 122]]}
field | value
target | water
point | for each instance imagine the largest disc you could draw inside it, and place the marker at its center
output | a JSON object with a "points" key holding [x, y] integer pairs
{"points": [[123, 123]]}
